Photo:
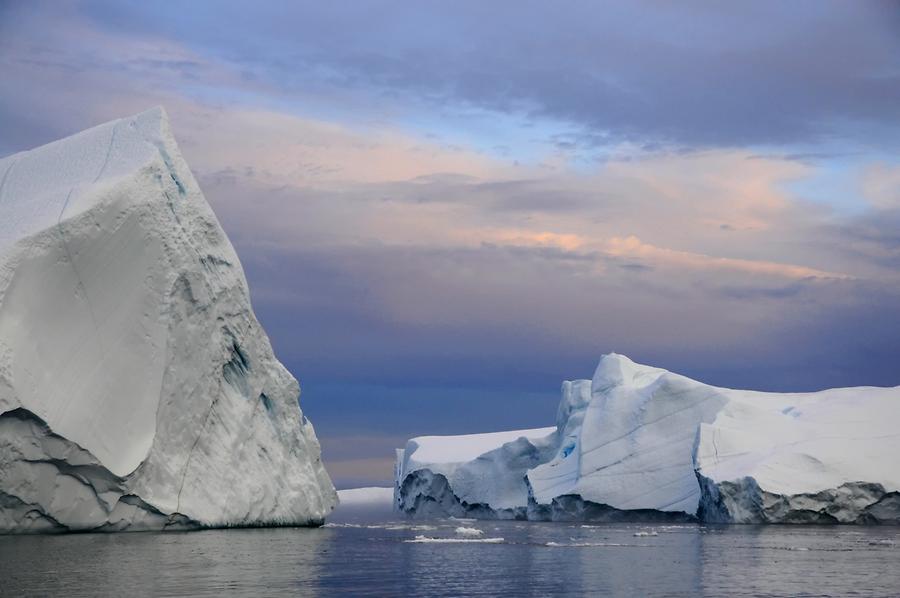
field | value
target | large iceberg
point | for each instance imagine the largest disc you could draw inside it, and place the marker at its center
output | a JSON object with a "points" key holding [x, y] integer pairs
{"points": [[642, 443], [137, 388]]}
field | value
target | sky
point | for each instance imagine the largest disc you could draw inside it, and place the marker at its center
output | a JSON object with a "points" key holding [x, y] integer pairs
{"points": [[445, 209]]}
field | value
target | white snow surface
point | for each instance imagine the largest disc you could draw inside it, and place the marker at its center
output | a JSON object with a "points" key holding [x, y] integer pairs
{"points": [[805, 442], [449, 450], [637, 437], [129, 349]]}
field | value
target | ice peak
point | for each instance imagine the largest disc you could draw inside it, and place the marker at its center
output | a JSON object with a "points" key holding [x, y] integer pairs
{"points": [[154, 123], [41, 187], [618, 370], [157, 112]]}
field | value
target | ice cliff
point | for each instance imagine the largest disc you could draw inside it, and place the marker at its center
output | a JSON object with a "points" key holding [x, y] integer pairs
{"points": [[642, 443], [137, 389]]}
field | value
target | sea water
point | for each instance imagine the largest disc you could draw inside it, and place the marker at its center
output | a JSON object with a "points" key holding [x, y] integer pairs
{"points": [[460, 558]]}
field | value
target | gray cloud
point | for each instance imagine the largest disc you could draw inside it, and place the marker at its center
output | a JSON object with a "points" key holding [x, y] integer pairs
{"points": [[522, 319], [691, 73]]}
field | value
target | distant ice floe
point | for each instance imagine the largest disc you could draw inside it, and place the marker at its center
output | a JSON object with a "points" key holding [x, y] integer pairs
{"points": [[427, 540], [579, 544]]}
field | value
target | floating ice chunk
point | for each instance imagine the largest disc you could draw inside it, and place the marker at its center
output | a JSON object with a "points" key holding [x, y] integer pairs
{"points": [[427, 540], [578, 544], [469, 531]]}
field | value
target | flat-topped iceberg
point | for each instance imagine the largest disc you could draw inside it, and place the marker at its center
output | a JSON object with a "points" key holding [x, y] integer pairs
{"points": [[642, 443], [137, 389]]}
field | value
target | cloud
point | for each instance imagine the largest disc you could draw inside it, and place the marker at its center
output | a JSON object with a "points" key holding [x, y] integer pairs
{"points": [[881, 185], [282, 149], [356, 473], [633, 247], [692, 75]]}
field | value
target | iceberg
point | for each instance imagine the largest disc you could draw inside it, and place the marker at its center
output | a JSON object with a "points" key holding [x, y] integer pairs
{"points": [[641, 443], [475, 475], [137, 389]]}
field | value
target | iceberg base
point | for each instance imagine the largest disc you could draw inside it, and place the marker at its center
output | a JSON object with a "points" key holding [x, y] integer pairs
{"points": [[428, 495], [743, 501]]}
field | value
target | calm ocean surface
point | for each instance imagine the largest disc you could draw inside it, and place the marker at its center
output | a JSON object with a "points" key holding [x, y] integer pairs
{"points": [[402, 558]]}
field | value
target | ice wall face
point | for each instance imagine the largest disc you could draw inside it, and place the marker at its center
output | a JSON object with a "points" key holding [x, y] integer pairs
{"points": [[476, 474], [137, 389], [826, 457], [637, 437], [637, 442]]}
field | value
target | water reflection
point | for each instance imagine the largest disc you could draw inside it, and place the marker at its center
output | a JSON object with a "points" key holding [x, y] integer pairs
{"points": [[207, 563], [535, 559]]}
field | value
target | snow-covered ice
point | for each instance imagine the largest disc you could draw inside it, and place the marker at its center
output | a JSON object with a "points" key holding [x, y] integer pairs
{"points": [[575, 544], [638, 442], [469, 531], [427, 540], [137, 389]]}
